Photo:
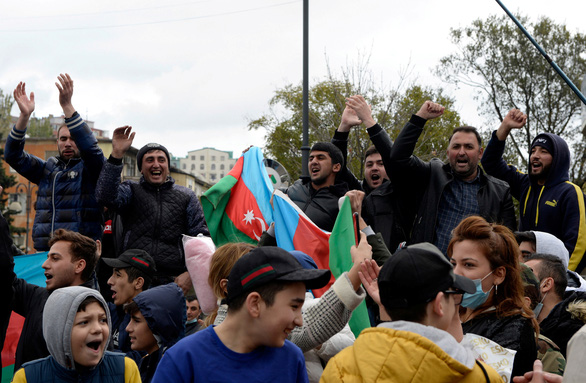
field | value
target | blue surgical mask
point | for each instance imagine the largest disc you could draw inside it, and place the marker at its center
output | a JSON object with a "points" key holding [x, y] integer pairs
{"points": [[477, 298], [539, 306]]}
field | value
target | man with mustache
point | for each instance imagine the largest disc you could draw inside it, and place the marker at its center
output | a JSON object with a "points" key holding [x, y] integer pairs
{"points": [[67, 182], [446, 193], [549, 202]]}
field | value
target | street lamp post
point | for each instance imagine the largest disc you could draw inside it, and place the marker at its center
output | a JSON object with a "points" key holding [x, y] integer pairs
{"points": [[28, 188]]}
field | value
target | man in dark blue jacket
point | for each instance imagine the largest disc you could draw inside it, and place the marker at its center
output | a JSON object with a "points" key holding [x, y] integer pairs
{"points": [[67, 183], [548, 201]]}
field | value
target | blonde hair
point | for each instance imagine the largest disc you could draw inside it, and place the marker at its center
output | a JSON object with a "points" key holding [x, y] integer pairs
{"points": [[220, 266]]}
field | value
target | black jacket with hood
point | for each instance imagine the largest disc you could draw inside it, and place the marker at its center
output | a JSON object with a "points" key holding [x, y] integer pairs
{"points": [[557, 207]]}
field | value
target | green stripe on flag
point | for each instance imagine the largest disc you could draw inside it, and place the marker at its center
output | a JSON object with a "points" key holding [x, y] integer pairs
{"points": [[341, 240], [213, 202]]}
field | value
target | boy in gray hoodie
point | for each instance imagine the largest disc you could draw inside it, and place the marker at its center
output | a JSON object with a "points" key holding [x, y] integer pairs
{"points": [[76, 328]]}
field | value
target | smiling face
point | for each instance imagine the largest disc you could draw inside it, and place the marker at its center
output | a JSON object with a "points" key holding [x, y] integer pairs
{"points": [[540, 161], [65, 144], [155, 167], [89, 335], [464, 153], [122, 289], [321, 170], [374, 170], [141, 336], [469, 261], [193, 309], [279, 319], [60, 269]]}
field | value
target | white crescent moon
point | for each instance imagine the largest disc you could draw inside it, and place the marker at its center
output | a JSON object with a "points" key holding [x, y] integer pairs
{"points": [[264, 227]]}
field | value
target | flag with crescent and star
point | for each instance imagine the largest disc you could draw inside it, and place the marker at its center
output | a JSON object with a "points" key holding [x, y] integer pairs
{"points": [[237, 208]]}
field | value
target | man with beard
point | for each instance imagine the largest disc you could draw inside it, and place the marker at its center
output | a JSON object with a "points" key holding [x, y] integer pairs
{"points": [[67, 183], [446, 193], [549, 202], [318, 197]]}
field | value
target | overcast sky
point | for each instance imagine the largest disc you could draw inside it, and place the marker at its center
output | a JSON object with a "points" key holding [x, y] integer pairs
{"points": [[189, 74]]}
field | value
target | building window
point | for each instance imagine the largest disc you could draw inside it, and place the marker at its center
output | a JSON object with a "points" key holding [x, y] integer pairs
{"points": [[213, 166], [222, 167], [213, 176], [213, 158], [222, 175], [201, 167], [202, 158], [192, 166], [184, 166], [222, 158], [193, 158]]}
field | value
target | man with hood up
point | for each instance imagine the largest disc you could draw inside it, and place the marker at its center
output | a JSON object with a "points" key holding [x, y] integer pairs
{"points": [[549, 202], [157, 322], [76, 327]]}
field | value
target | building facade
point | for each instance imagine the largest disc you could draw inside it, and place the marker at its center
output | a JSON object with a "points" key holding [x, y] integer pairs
{"points": [[208, 164]]}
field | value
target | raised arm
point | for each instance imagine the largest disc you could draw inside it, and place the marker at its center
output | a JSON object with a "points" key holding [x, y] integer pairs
{"points": [[85, 140], [340, 139], [27, 165], [109, 191], [492, 158]]}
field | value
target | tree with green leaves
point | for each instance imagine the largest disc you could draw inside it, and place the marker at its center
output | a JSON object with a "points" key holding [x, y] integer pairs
{"points": [[6, 180], [390, 108], [494, 57]]}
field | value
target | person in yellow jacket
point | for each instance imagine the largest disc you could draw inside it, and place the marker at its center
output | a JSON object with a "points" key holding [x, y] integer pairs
{"points": [[76, 327], [420, 292]]}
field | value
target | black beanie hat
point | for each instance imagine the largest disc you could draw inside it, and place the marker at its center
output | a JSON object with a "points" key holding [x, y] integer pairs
{"points": [[147, 148]]}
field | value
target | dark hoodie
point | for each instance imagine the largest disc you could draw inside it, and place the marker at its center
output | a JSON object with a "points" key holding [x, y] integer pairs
{"points": [[164, 310], [557, 207]]}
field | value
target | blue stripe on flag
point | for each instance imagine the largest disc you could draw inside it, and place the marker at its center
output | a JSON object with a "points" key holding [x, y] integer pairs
{"points": [[256, 179], [28, 267]]}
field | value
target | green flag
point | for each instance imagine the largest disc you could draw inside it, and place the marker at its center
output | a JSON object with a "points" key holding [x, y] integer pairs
{"points": [[341, 240]]}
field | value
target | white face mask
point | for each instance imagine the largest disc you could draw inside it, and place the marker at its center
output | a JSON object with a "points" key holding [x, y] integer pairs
{"points": [[539, 306]]}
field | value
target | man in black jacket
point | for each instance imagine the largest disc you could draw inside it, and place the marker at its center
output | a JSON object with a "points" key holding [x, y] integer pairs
{"points": [[71, 261], [318, 197], [445, 193]]}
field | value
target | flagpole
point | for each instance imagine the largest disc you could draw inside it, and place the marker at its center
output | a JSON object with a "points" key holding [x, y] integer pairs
{"points": [[544, 54], [305, 145]]}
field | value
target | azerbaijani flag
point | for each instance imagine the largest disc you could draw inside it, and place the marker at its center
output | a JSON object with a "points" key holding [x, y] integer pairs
{"points": [[237, 208], [27, 267], [295, 231]]}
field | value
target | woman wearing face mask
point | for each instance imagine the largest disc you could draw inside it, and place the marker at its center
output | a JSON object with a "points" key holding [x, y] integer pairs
{"points": [[488, 254]]}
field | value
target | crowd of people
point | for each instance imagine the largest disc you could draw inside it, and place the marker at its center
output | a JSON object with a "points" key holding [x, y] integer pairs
{"points": [[442, 255]]}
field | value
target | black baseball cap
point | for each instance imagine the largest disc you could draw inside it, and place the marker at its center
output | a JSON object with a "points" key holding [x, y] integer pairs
{"points": [[136, 258], [269, 263], [415, 274]]}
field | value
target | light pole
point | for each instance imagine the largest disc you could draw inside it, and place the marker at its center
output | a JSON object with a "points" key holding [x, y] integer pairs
{"points": [[28, 188]]}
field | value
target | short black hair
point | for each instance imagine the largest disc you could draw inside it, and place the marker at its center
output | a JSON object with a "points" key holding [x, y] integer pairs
{"points": [[370, 151], [191, 298], [416, 313], [525, 236], [131, 308], [552, 266], [331, 149], [467, 129], [267, 292], [134, 273]]}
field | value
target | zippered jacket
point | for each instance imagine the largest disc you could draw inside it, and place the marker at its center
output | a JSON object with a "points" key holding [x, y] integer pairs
{"points": [[557, 207], [66, 188]]}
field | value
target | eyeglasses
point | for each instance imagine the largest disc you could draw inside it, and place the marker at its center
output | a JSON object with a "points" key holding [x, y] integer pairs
{"points": [[458, 295]]}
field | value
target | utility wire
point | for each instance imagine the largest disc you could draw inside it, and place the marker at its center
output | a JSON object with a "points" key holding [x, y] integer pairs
{"points": [[150, 22]]}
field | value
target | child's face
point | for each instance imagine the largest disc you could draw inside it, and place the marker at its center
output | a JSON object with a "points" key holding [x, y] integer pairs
{"points": [[122, 290], [89, 335], [283, 316], [141, 336]]}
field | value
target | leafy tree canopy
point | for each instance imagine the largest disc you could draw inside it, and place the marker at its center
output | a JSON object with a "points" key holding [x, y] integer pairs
{"points": [[496, 58], [391, 108]]}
